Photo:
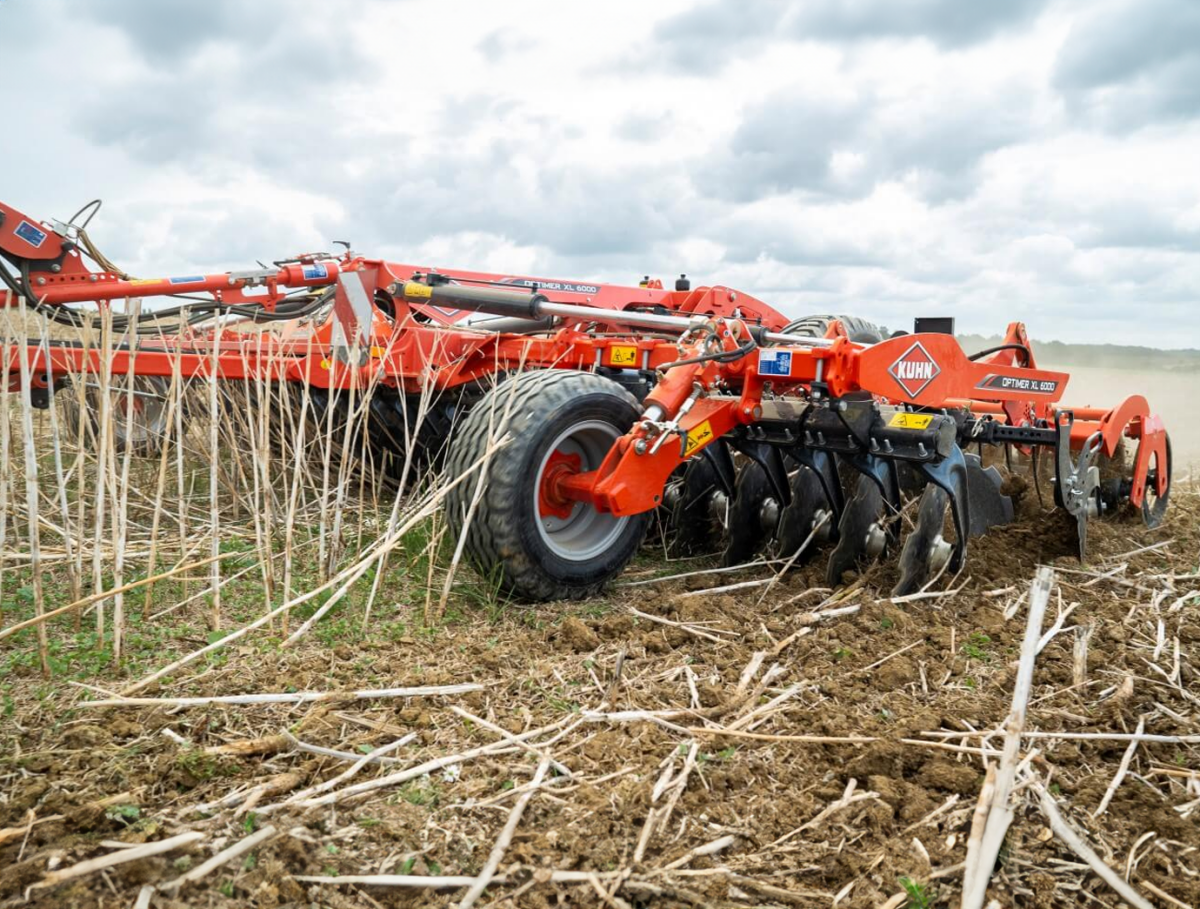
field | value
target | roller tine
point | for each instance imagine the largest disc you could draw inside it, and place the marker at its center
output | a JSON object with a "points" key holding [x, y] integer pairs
{"points": [[1035, 460], [1077, 479], [1154, 506]]}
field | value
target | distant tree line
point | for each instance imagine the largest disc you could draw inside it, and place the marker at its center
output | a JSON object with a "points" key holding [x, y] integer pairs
{"points": [[1113, 356]]}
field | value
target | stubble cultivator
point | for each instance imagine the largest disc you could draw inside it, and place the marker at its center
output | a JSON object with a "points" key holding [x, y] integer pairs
{"points": [[602, 405]]}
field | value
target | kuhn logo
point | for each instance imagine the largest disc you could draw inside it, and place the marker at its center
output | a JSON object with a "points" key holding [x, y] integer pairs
{"points": [[914, 370]]}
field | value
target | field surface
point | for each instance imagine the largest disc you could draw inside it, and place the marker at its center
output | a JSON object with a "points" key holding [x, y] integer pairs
{"points": [[302, 722], [660, 730]]}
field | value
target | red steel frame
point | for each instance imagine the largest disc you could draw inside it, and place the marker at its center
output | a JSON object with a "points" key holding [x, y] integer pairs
{"points": [[630, 481], [426, 346]]}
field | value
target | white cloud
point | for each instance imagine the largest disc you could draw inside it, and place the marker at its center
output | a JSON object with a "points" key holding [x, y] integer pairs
{"points": [[1030, 160]]}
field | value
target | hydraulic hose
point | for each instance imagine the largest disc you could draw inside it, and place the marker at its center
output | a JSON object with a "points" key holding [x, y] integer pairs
{"points": [[991, 350], [721, 356]]}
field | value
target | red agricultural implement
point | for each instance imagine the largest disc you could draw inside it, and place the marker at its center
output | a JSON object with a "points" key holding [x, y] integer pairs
{"points": [[741, 430]]}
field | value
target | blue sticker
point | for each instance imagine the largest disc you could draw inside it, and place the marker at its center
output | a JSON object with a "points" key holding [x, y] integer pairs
{"points": [[315, 272], [187, 279], [30, 234], [774, 362]]}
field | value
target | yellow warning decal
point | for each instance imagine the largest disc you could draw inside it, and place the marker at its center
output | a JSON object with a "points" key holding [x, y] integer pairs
{"points": [[698, 437], [903, 420], [141, 281], [622, 356], [378, 352], [325, 364], [413, 289]]}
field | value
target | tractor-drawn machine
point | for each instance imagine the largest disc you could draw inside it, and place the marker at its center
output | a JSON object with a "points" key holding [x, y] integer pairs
{"points": [[596, 406]]}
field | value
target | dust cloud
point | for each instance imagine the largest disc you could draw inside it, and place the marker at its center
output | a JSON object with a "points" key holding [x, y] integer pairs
{"points": [[1174, 395]]}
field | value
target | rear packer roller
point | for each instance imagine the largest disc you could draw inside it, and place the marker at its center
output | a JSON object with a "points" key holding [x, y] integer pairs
{"points": [[534, 544]]}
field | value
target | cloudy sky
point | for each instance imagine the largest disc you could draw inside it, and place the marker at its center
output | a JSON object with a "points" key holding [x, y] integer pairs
{"points": [[987, 159]]}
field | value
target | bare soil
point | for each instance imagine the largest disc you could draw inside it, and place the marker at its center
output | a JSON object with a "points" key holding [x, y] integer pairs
{"points": [[889, 671]]}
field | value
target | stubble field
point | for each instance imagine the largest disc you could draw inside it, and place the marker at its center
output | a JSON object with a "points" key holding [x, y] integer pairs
{"points": [[670, 743]]}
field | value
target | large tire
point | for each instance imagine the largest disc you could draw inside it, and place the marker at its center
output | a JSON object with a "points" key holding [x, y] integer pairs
{"points": [[392, 427], [531, 555], [859, 330]]}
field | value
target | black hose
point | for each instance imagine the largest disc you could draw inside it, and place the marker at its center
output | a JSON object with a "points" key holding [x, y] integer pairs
{"points": [[10, 282], [991, 350], [286, 310], [201, 311], [724, 356]]}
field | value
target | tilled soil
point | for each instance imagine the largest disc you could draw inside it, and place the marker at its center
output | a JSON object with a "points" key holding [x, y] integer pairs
{"points": [[658, 719]]}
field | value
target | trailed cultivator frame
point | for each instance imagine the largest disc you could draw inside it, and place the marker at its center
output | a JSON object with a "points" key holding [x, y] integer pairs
{"points": [[705, 405]]}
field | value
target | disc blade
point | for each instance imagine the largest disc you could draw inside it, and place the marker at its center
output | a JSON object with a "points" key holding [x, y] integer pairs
{"points": [[797, 521], [690, 526], [989, 506], [919, 545], [865, 507], [746, 531]]}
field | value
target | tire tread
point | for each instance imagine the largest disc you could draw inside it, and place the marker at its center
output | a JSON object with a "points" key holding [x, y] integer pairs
{"points": [[493, 537]]}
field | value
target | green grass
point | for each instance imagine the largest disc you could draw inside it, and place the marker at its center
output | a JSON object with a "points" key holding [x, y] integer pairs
{"points": [[920, 896], [596, 609], [126, 814], [419, 792], [79, 656], [398, 612], [977, 647], [202, 766]]}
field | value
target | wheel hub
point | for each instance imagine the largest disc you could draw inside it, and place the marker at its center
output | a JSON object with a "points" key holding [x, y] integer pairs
{"points": [[939, 553], [574, 530], [823, 525], [769, 515], [876, 540], [551, 500]]}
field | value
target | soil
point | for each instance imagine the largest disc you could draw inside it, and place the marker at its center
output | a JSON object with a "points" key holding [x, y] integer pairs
{"points": [[891, 671]]}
